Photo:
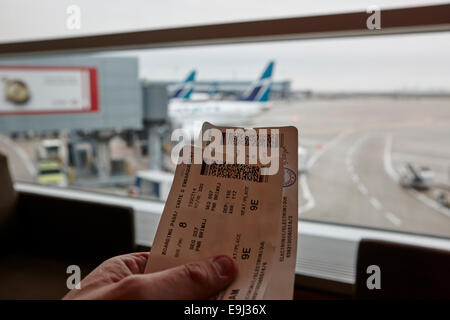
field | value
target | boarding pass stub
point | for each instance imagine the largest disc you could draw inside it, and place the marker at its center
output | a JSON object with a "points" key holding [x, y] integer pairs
{"points": [[282, 280], [210, 211]]}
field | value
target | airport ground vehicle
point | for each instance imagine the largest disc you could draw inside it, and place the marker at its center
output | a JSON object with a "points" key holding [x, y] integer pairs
{"points": [[51, 173], [51, 156], [419, 179], [54, 149], [444, 199], [152, 184]]}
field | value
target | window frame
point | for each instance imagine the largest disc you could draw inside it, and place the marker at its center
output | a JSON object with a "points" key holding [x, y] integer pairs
{"points": [[434, 18], [421, 19]]}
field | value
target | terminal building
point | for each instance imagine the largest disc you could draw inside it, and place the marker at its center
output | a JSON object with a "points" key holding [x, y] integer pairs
{"points": [[93, 99]]}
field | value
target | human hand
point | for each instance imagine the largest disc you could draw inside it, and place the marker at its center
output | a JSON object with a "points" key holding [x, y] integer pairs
{"points": [[123, 277]]}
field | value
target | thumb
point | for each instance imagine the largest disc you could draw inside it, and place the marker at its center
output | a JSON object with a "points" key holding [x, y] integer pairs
{"points": [[197, 280]]}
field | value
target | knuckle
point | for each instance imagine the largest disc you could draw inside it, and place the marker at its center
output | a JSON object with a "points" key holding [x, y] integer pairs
{"points": [[131, 285], [131, 264], [198, 273]]}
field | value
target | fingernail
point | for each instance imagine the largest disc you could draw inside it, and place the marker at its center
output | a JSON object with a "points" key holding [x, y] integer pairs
{"points": [[224, 265]]}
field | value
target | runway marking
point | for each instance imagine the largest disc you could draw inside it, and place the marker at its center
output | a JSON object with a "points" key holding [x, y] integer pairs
{"points": [[387, 161], [348, 162], [431, 203], [375, 203], [354, 176], [307, 195], [21, 154], [356, 145], [393, 218], [362, 188], [327, 146], [351, 170]]}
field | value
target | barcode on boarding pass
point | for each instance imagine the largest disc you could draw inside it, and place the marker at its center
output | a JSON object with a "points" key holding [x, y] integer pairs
{"points": [[234, 171]]}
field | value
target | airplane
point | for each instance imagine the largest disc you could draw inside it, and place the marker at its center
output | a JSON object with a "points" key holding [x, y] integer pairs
{"points": [[190, 114], [183, 91]]}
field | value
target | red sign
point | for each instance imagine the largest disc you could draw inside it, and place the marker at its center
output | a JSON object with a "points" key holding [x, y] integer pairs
{"points": [[31, 90]]}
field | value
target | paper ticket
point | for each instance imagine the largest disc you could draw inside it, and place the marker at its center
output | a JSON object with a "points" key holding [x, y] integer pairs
{"points": [[282, 280], [221, 209], [209, 211]]}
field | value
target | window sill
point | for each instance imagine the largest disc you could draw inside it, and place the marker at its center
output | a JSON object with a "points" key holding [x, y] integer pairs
{"points": [[325, 251]]}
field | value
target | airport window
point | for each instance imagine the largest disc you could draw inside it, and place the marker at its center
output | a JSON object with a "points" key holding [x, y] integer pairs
{"points": [[373, 116]]}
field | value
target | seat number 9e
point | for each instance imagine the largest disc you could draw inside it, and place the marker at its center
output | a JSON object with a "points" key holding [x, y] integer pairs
{"points": [[245, 253], [254, 205]]}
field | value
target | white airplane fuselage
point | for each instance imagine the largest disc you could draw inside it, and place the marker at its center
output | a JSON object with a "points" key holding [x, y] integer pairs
{"points": [[198, 109], [190, 115]]}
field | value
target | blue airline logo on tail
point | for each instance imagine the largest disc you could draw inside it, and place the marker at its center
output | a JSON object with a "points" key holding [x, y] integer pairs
{"points": [[185, 89], [260, 90]]}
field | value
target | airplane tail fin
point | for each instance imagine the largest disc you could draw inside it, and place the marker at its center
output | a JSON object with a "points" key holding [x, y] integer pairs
{"points": [[185, 89], [260, 90]]}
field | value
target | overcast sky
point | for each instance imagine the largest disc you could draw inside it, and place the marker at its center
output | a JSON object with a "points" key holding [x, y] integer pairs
{"points": [[413, 62], [406, 62]]}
